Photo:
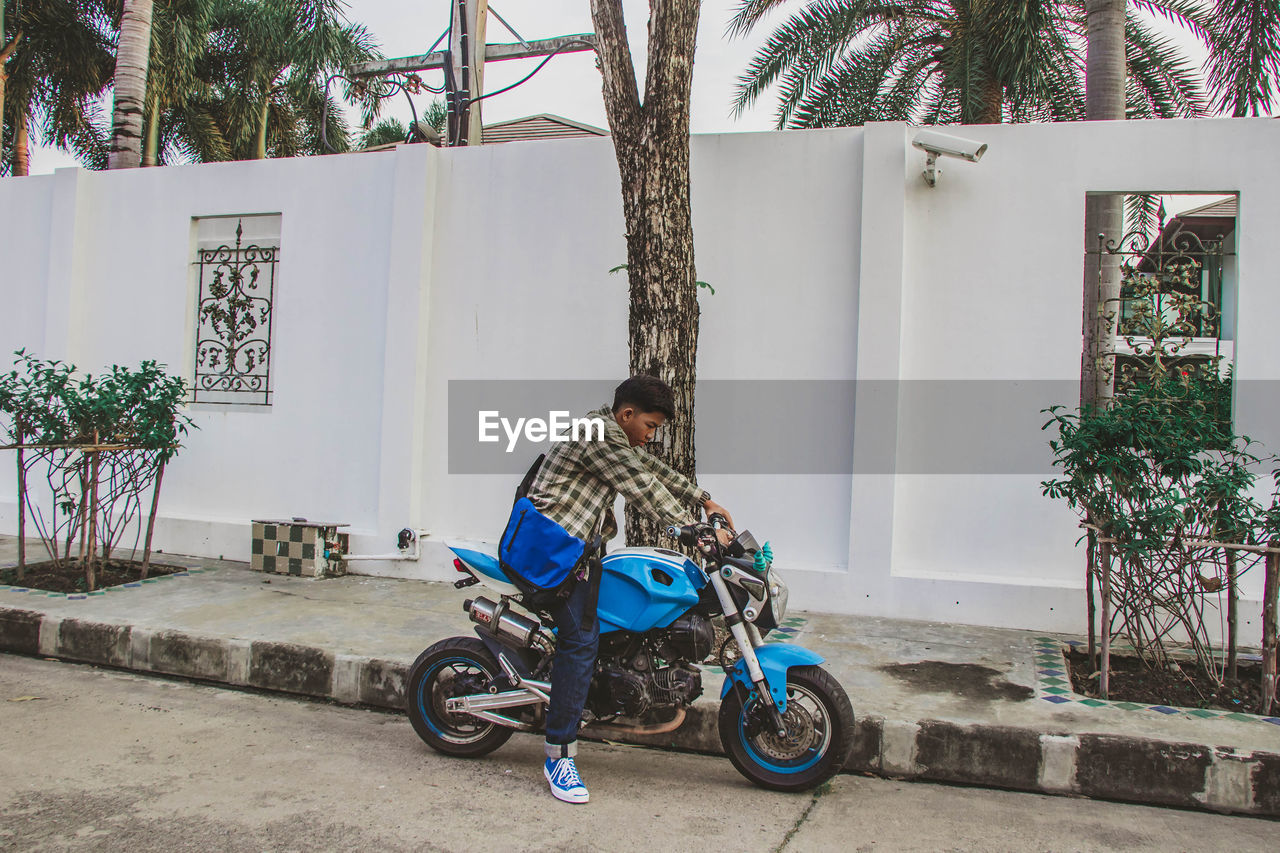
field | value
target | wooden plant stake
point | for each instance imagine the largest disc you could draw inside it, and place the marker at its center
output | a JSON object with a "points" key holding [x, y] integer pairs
{"points": [[93, 518], [84, 525], [1233, 617], [151, 520], [1091, 606], [22, 504], [1270, 652], [1104, 680]]}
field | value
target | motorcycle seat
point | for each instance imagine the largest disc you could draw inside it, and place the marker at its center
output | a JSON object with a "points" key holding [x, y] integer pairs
{"points": [[486, 564]]}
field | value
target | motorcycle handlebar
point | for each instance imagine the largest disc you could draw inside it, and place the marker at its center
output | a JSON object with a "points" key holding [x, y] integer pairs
{"points": [[691, 533], [687, 535]]}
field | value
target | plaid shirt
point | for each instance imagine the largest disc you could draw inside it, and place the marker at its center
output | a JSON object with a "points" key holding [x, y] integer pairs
{"points": [[579, 481]]}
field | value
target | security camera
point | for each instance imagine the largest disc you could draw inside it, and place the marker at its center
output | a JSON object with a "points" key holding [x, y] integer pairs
{"points": [[426, 133], [949, 146], [937, 144]]}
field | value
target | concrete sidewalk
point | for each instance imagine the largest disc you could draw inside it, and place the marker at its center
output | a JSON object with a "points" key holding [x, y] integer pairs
{"points": [[945, 702]]}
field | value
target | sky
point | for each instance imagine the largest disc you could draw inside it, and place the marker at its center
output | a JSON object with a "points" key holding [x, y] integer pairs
{"points": [[569, 85]]}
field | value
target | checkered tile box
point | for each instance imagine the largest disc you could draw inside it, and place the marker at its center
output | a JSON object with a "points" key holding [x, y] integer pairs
{"points": [[298, 548]]}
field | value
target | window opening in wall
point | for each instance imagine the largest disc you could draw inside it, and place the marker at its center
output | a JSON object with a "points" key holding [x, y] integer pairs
{"points": [[236, 260], [1177, 272]]}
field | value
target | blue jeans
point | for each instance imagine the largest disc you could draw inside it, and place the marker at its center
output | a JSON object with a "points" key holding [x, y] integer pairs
{"points": [[571, 669]]}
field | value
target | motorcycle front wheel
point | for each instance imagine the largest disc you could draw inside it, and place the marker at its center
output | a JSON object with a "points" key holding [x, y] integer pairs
{"points": [[819, 722], [457, 666]]}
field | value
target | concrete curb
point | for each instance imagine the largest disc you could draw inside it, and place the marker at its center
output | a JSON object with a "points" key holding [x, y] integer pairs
{"points": [[1132, 769]]}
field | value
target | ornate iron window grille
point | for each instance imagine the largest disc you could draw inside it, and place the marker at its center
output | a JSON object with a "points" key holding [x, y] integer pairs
{"points": [[233, 323], [1170, 296]]}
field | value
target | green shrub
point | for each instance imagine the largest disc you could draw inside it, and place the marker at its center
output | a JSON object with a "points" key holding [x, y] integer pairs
{"points": [[62, 421]]}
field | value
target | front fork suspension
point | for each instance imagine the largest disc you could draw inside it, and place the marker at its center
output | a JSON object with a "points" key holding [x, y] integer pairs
{"points": [[748, 639]]}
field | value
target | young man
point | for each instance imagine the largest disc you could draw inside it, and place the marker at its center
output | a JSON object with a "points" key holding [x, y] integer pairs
{"points": [[576, 487]]}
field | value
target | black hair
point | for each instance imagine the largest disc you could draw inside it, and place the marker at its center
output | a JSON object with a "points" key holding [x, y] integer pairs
{"points": [[646, 393]]}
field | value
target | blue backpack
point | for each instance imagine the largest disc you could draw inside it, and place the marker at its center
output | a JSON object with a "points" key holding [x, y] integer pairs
{"points": [[535, 552]]}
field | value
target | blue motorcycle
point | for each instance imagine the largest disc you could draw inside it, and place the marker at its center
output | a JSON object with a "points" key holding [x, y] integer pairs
{"points": [[785, 722]]}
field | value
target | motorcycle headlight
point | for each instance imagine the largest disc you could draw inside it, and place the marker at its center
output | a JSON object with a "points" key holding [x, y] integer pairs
{"points": [[778, 596]]}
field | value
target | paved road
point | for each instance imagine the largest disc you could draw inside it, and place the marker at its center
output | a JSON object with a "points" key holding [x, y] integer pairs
{"points": [[105, 760]]}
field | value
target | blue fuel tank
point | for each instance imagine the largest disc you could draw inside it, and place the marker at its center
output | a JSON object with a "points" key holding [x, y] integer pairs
{"points": [[644, 588]]}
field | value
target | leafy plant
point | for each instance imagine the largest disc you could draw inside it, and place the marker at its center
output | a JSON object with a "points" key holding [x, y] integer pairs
{"points": [[47, 403], [1161, 474], [99, 443]]}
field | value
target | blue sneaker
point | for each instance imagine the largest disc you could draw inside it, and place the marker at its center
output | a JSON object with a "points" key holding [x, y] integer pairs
{"points": [[566, 784]]}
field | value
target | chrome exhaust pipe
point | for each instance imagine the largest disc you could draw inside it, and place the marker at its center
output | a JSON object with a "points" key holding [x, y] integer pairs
{"points": [[499, 619], [491, 701]]}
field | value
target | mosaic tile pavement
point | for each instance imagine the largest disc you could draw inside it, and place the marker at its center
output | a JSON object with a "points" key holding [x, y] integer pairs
{"points": [[1053, 684], [790, 628], [76, 596]]}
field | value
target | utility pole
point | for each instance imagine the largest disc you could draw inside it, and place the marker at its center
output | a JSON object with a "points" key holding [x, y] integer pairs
{"points": [[466, 54], [463, 63]]}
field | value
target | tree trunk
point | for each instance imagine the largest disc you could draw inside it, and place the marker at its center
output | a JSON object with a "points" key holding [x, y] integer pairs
{"points": [[21, 151], [130, 85], [260, 145], [150, 151], [993, 112], [6, 50], [1104, 101], [1104, 69], [651, 140]]}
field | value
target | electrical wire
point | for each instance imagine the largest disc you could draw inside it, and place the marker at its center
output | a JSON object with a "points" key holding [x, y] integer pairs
{"points": [[526, 78], [441, 37], [456, 105], [395, 84]]}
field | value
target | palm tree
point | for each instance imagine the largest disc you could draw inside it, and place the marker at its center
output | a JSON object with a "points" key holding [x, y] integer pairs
{"points": [[55, 74], [220, 66], [848, 62], [392, 130], [130, 85], [1105, 100], [1244, 56], [386, 132], [8, 44], [1105, 74], [179, 34], [267, 62], [436, 117]]}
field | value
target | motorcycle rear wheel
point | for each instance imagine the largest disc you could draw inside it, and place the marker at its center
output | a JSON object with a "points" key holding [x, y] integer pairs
{"points": [[456, 666], [819, 722]]}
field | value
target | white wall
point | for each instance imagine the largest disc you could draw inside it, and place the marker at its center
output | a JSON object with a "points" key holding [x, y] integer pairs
{"points": [[831, 258], [992, 290]]}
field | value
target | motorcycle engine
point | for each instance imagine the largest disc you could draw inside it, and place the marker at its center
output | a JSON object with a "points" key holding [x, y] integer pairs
{"points": [[615, 690], [691, 638], [622, 690]]}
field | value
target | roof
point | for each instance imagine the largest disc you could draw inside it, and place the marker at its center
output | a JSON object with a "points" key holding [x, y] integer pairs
{"points": [[1226, 208], [1193, 232], [543, 126]]}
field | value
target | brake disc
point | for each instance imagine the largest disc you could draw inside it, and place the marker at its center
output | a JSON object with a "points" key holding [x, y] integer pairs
{"points": [[800, 736]]}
